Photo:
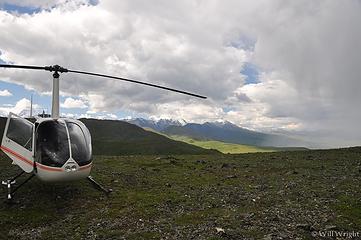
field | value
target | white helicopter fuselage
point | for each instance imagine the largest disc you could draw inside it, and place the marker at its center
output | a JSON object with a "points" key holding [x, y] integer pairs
{"points": [[53, 149]]}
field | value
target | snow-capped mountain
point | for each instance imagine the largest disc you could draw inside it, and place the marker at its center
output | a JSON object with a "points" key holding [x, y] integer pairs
{"points": [[158, 125], [219, 130]]}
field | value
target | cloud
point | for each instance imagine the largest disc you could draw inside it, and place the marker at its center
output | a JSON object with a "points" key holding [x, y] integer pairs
{"points": [[304, 57], [44, 4], [73, 103], [22, 108], [5, 93]]}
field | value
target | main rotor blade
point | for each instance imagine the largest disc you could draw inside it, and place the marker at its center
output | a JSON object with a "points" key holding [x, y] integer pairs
{"points": [[22, 66], [57, 68], [139, 82]]}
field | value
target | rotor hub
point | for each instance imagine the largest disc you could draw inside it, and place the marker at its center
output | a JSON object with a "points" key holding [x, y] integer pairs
{"points": [[56, 68]]}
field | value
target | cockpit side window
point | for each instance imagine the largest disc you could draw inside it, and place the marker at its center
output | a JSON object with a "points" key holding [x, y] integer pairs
{"points": [[21, 132], [80, 144], [52, 143]]}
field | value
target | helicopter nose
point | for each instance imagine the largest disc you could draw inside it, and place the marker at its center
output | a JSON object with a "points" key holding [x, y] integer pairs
{"points": [[71, 167]]}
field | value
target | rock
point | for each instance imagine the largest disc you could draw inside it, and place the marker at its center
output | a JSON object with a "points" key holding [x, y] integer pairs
{"points": [[225, 165], [304, 226], [201, 161], [268, 237], [220, 230], [281, 192], [173, 162], [247, 215], [330, 227], [231, 176]]}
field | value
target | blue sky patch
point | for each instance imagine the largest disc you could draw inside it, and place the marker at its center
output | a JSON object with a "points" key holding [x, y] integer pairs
{"points": [[251, 72], [13, 8], [19, 9], [93, 2], [228, 109], [19, 92]]}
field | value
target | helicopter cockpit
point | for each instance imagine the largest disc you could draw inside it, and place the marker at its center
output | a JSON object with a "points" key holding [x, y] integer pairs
{"points": [[48, 145], [58, 140]]}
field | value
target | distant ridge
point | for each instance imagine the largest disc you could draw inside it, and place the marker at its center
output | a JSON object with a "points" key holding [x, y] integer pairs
{"points": [[220, 131]]}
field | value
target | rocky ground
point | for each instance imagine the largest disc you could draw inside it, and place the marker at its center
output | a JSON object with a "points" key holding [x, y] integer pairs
{"points": [[285, 195]]}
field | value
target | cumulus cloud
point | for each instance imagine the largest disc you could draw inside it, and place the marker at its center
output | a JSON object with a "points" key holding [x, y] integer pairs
{"points": [[73, 103], [307, 54], [22, 107], [5, 93]]}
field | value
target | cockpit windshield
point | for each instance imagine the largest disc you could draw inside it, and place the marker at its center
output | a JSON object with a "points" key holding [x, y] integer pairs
{"points": [[80, 143], [52, 143], [52, 148]]}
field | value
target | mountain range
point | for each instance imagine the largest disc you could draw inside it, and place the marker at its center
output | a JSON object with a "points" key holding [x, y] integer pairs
{"points": [[157, 125], [220, 131]]}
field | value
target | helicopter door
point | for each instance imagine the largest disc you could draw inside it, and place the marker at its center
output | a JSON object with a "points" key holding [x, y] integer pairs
{"points": [[17, 142]]}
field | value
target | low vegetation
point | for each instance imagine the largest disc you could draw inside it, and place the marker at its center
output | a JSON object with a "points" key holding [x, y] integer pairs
{"points": [[222, 146], [277, 195]]}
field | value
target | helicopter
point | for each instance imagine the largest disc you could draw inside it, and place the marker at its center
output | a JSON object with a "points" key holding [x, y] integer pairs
{"points": [[54, 149]]}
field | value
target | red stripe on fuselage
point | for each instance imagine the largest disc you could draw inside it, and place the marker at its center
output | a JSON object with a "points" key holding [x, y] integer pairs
{"points": [[18, 156], [43, 167], [85, 167], [46, 168]]}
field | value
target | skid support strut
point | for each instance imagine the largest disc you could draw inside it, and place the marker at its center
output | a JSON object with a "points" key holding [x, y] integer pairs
{"points": [[98, 186], [10, 182]]}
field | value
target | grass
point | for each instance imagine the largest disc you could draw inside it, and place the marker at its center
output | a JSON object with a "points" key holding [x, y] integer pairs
{"points": [[275, 195], [222, 146]]}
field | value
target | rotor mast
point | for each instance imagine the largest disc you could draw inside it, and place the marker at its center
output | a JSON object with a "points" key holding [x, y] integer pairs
{"points": [[55, 100], [55, 96]]}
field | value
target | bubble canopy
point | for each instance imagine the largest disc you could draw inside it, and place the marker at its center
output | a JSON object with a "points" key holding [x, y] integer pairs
{"points": [[59, 140]]}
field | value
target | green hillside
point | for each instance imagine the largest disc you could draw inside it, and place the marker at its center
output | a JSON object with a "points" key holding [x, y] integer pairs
{"points": [[112, 137]]}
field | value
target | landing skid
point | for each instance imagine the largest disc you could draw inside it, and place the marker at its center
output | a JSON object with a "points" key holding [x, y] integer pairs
{"points": [[10, 182], [98, 186]]}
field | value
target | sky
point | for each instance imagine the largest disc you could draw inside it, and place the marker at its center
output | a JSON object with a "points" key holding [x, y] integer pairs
{"points": [[286, 67]]}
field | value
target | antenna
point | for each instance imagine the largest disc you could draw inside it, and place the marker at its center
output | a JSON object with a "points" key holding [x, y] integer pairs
{"points": [[31, 106]]}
